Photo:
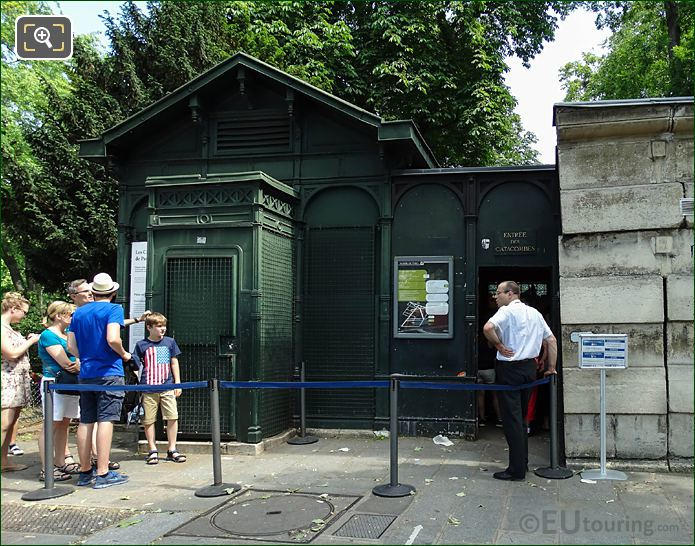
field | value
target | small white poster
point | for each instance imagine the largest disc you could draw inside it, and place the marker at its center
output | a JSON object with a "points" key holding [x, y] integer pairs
{"points": [[138, 277]]}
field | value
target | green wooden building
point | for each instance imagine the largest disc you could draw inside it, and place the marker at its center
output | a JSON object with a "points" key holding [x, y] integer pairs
{"points": [[285, 225]]}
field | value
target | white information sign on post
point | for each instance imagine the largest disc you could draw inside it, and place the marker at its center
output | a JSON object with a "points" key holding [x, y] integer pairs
{"points": [[138, 277], [603, 351]]}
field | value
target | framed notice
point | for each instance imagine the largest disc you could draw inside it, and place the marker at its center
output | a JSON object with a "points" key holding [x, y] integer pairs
{"points": [[423, 305]]}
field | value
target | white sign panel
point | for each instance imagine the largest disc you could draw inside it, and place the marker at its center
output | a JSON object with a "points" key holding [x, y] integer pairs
{"points": [[607, 351], [138, 276]]}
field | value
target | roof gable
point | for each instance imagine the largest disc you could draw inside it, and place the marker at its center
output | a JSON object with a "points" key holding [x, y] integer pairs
{"points": [[96, 148]]}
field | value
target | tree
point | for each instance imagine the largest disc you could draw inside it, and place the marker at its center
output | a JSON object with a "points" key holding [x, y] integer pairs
{"points": [[439, 63], [650, 53]]}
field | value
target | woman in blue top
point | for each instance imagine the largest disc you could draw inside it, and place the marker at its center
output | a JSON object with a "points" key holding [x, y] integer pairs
{"points": [[53, 351]]}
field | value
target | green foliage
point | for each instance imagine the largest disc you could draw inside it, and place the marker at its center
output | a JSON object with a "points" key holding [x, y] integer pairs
{"points": [[440, 63], [649, 55]]}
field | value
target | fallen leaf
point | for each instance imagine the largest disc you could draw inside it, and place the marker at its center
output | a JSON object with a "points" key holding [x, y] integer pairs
{"points": [[318, 521], [461, 494], [418, 448], [453, 521], [129, 523]]}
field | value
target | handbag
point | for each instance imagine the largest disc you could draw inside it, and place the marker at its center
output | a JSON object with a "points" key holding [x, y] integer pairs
{"points": [[64, 377]]}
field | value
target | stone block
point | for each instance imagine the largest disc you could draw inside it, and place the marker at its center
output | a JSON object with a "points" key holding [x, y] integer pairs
{"points": [[640, 436], [621, 162], [583, 435], [680, 434], [679, 297], [633, 390], [648, 252], [680, 389], [683, 246], [590, 210], [683, 155], [616, 299], [680, 340], [645, 343]]}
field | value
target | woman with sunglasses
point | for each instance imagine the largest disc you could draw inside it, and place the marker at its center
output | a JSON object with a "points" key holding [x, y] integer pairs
{"points": [[53, 352], [16, 381]]}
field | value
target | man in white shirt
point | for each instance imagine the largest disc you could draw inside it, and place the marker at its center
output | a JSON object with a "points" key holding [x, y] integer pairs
{"points": [[517, 331]]}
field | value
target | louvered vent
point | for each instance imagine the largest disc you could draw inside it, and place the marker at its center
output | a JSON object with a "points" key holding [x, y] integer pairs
{"points": [[687, 206], [253, 132]]}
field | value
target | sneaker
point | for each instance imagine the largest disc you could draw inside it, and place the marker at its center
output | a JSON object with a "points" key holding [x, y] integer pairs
{"points": [[111, 478], [481, 422], [14, 449], [87, 478]]}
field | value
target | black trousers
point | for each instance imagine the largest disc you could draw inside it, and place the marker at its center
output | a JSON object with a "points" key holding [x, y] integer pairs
{"points": [[513, 406]]}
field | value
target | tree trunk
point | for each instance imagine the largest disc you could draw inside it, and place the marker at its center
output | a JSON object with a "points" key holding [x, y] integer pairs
{"points": [[678, 81], [11, 263]]}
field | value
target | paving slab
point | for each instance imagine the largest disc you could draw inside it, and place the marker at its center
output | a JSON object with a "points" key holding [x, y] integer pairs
{"points": [[456, 499]]}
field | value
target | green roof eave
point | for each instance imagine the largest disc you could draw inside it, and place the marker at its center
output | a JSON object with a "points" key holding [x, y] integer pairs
{"points": [[238, 59], [221, 178], [407, 130]]}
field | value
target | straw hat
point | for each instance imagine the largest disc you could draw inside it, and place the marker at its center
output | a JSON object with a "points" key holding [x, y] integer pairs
{"points": [[103, 284]]}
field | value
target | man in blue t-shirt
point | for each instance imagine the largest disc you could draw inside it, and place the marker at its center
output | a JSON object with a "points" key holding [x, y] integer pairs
{"points": [[95, 338]]}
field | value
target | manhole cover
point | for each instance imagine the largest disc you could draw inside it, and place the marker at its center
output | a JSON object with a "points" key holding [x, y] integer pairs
{"points": [[59, 520], [273, 515], [270, 516], [365, 526]]}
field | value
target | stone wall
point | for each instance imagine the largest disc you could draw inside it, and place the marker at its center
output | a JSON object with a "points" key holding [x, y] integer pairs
{"points": [[626, 266]]}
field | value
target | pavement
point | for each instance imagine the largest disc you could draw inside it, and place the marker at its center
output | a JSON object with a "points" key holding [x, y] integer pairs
{"points": [[322, 493]]}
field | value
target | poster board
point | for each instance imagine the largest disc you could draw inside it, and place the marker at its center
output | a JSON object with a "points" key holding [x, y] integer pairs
{"points": [[138, 277], [423, 305]]}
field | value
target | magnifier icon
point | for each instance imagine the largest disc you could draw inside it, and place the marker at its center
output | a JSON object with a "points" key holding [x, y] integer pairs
{"points": [[42, 36]]}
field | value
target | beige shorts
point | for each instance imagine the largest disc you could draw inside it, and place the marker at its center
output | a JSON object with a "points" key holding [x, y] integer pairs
{"points": [[152, 400]]}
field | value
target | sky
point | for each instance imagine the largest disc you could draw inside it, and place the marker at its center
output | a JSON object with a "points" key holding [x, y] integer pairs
{"points": [[536, 88]]}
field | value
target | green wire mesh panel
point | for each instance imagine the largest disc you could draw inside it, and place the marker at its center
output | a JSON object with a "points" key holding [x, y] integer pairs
{"points": [[200, 302], [277, 283], [339, 320]]}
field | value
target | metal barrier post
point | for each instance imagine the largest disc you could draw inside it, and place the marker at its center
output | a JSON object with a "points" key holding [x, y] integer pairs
{"points": [[217, 489], [393, 489], [302, 439], [49, 490], [554, 471]]}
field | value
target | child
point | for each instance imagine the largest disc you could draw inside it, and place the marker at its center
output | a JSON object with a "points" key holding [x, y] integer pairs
{"points": [[160, 366]]}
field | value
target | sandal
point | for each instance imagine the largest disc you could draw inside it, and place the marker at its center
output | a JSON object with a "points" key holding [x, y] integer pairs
{"points": [[112, 464], [176, 457], [152, 457], [70, 468], [58, 475]]}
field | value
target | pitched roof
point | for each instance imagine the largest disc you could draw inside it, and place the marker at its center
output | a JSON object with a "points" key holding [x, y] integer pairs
{"points": [[387, 130]]}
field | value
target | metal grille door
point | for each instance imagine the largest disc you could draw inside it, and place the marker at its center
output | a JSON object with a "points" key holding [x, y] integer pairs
{"points": [[277, 286], [200, 302], [339, 319]]}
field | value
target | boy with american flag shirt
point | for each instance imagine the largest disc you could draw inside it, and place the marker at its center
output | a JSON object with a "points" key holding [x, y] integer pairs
{"points": [[158, 354]]}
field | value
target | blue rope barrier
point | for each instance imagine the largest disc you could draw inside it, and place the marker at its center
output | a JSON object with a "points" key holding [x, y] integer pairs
{"points": [[303, 384], [85, 387], [470, 386]]}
